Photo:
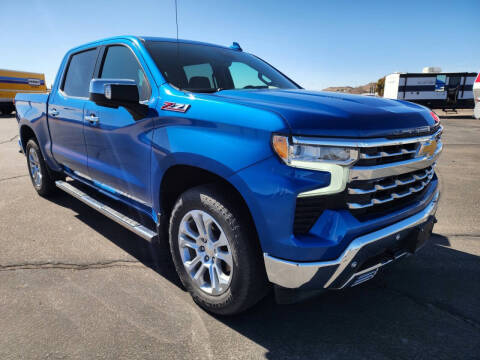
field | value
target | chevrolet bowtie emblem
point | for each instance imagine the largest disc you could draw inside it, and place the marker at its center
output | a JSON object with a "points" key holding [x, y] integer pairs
{"points": [[428, 148]]}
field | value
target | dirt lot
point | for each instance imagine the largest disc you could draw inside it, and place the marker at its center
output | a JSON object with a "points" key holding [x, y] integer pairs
{"points": [[74, 284]]}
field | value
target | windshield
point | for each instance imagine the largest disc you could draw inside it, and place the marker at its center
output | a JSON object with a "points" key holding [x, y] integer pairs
{"points": [[203, 68]]}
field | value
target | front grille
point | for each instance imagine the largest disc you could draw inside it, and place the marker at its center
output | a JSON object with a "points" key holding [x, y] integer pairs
{"points": [[389, 206], [307, 212], [389, 174], [379, 155], [368, 193], [309, 209]]}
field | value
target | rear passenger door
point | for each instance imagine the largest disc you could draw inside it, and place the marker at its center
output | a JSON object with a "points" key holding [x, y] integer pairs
{"points": [[66, 111], [119, 146]]}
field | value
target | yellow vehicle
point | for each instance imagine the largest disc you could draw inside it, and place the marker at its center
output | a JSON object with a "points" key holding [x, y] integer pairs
{"points": [[13, 82]]}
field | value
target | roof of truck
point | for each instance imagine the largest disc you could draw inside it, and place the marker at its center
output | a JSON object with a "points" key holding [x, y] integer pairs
{"points": [[152, 38], [143, 39]]}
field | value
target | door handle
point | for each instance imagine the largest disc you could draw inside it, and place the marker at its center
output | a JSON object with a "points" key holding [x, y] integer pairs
{"points": [[92, 119], [53, 112]]}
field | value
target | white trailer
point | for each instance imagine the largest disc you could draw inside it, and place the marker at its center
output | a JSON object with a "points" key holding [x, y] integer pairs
{"points": [[434, 90], [476, 97]]}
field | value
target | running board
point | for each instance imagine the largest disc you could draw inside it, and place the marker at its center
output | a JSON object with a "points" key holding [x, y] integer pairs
{"points": [[121, 219]]}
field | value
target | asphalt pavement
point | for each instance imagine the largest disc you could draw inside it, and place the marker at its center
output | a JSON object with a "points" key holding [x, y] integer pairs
{"points": [[75, 285]]}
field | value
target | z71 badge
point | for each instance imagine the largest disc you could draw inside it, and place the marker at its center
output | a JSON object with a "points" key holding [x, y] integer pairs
{"points": [[171, 106]]}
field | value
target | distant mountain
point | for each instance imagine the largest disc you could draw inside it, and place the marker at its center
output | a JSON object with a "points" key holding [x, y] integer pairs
{"points": [[368, 88]]}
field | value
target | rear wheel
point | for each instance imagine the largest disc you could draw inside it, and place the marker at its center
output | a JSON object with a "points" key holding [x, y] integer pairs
{"points": [[215, 252], [43, 183], [7, 109]]}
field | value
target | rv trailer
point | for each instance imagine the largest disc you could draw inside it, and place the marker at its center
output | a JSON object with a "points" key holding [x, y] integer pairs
{"points": [[476, 97], [435, 90]]}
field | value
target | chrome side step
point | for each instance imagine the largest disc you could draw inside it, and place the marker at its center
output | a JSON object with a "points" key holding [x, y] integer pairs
{"points": [[121, 219]]}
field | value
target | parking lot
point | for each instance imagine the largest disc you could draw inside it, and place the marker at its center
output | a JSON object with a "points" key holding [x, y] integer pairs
{"points": [[74, 284]]}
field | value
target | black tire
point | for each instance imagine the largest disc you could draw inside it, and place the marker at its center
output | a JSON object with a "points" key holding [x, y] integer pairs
{"points": [[7, 109], [248, 281], [46, 185]]}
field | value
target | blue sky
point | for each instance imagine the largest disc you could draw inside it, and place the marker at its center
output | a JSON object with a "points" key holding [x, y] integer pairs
{"points": [[317, 43]]}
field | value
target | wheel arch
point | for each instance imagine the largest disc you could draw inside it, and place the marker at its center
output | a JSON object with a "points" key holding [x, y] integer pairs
{"points": [[179, 178], [26, 133]]}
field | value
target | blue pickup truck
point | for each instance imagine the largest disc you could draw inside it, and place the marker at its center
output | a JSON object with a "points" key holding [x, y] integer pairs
{"points": [[250, 179]]}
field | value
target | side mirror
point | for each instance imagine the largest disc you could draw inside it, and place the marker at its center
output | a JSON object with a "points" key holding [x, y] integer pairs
{"points": [[114, 92], [118, 92]]}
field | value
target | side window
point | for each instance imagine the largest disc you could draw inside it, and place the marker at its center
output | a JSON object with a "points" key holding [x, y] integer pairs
{"points": [[120, 63], [454, 81], [79, 73], [244, 75], [200, 73]]}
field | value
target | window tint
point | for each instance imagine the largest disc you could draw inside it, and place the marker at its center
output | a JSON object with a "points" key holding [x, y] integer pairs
{"points": [[199, 70], [204, 68], [120, 63], [245, 76], [79, 73]]}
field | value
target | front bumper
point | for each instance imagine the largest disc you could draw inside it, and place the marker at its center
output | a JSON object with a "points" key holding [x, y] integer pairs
{"points": [[361, 259]]}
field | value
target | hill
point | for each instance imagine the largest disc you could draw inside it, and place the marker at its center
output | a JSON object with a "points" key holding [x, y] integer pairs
{"points": [[368, 88]]}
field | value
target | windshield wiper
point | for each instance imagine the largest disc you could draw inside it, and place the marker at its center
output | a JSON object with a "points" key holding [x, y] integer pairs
{"points": [[210, 90], [255, 87]]}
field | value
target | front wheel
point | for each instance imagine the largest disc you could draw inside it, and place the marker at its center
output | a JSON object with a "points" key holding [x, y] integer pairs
{"points": [[43, 183], [216, 252], [7, 109]]}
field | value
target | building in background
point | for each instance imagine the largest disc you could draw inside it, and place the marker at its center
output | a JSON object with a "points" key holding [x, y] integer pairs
{"points": [[13, 82]]}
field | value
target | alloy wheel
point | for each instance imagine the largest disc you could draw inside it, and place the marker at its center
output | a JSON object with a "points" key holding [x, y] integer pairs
{"points": [[205, 252], [34, 165]]}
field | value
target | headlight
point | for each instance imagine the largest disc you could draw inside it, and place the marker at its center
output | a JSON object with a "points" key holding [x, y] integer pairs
{"points": [[312, 156], [335, 160]]}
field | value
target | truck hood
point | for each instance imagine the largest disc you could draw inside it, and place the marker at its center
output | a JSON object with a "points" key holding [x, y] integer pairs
{"points": [[332, 114]]}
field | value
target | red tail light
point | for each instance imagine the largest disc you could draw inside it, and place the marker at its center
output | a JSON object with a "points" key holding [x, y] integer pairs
{"points": [[435, 117]]}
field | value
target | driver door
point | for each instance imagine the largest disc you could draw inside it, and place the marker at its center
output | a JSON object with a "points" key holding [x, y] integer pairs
{"points": [[118, 146]]}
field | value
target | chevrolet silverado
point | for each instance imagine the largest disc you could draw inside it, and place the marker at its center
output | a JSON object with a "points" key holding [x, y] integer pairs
{"points": [[249, 178]]}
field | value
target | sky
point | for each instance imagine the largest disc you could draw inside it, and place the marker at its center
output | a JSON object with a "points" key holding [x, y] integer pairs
{"points": [[316, 43]]}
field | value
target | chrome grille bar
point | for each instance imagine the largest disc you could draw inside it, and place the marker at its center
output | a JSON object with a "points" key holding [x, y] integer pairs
{"points": [[395, 183], [395, 168], [383, 154], [393, 196]]}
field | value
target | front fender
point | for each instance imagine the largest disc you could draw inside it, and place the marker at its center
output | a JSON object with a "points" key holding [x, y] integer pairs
{"points": [[162, 163], [215, 136]]}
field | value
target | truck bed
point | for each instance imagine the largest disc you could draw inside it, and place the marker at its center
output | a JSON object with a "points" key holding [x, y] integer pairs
{"points": [[32, 114], [25, 101]]}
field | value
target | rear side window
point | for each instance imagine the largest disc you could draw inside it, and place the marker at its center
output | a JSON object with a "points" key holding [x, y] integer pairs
{"points": [[200, 76], [79, 73], [120, 63]]}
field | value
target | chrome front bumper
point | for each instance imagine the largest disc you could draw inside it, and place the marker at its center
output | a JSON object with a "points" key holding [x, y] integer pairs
{"points": [[354, 265]]}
